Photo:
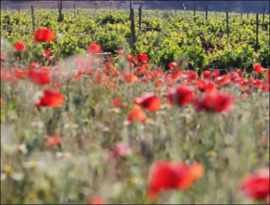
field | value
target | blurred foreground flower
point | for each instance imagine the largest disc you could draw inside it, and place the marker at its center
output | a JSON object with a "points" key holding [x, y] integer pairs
{"points": [[2, 57], [44, 35], [120, 150], [172, 65], [66, 155], [181, 95], [22, 148], [50, 99], [149, 101], [166, 175], [17, 176], [258, 68], [39, 77], [256, 186], [21, 74], [32, 164], [53, 140], [94, 49], [20, 46], [97, 201], [136, 115], [216, 102], [71, 125]]}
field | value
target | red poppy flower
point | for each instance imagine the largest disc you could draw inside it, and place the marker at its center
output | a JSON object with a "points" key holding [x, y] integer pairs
{"points": [[50, 99], [39, 77], [21, 74], [149, 101], [46, 52], [143, 58], [206, 86], [222, 80], [211, 87], [265, 87], [240, 73], [201, 85], [258, 83], [176, 74], [44, 35], [166, 175], [172, 65], [159, 82], [5, 76], [251, 82], [242, 82], [181, 95], [130, 58], [206, 74], [53, 140], [248, 91], [97, 201], [192, 75], [94, 48], [20, 46], [78, 60], [130, 77], [116, 102], [256, 186], [242, 96], [137, 114], [46, 69], [216, 73], [258, 68], [2, 57], [34, 65], [51, 58], [214, 102], [120, 52], [233, 75]]}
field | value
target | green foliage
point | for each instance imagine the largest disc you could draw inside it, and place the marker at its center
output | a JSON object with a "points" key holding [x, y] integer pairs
{"points": [[204, 42]]}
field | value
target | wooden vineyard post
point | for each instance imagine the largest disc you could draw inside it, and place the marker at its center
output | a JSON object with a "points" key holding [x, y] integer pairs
{"points": [[194, 7], [19, 14], [33, 18], [227, 19], [140, 17], [263, 12], [132, 27], [247, 15], [60, 19], [185, 12], [74, 10], [257, 31], [206, 12], [241, 15]]}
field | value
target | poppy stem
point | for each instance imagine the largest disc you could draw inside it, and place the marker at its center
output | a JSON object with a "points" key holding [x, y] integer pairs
{"points": [[20, 57]]}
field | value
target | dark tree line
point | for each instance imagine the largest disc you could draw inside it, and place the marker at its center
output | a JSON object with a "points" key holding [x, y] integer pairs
{"points": [[220, 6]]}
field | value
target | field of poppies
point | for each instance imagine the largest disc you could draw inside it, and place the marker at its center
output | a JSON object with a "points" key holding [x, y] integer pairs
{"points": [[85, 129]]}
